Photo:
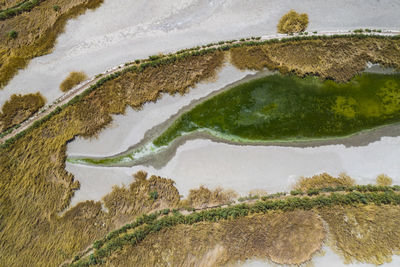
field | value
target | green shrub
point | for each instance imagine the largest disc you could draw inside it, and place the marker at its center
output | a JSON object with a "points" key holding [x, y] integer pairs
{"points": [[13, 34], [153, 195], [56, 8]]}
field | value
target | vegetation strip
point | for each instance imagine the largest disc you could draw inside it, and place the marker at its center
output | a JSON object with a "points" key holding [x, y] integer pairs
{"points": [[24, 6], [154, 61], [148, 224]]}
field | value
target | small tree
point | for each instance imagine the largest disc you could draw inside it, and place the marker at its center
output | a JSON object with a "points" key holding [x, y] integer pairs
{"points": [[293, 22], [13, 34]]}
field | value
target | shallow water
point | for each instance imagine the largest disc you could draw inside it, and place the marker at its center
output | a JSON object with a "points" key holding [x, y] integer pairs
{"points": [[130, 128], [279, 108], [121, 31]]}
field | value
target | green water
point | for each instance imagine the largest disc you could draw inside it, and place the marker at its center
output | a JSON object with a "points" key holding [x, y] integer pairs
{"points": [[290, 108], [284, 108]]}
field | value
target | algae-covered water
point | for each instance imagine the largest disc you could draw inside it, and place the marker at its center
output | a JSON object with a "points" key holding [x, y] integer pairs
{"points": [[290, 108], [284, 108]]}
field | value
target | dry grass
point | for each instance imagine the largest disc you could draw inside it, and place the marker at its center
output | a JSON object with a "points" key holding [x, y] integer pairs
{"points": [[125, 203], [293, 22], [323, 180], [4, 4], [383, 180], [204, 197], [338, 58], [18, 108], [288, 238], [37, 32], [364, 233], [35, 186], [74, 78]]}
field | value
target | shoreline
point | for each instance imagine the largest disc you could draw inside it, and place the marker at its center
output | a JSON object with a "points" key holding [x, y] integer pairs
{"points": [[165, 154]]}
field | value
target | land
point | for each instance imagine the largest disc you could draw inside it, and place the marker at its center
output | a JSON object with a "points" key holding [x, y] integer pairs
{"points": [[37, 32], [34, 163]]}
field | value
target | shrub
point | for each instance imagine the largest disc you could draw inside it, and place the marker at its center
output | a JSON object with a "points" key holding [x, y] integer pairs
{"points": [[13, 34], [56, 8], [74, 78], [383, 180], [293, 22]]}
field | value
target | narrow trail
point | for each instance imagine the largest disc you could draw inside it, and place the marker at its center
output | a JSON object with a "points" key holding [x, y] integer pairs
{"points": [[79, 89]]}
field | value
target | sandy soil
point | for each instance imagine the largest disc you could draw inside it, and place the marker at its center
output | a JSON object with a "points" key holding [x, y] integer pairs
{"points": [[120, 31], [329, 259], [244, 168]]}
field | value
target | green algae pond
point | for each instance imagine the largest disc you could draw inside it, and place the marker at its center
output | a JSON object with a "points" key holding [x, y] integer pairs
{"points": [[291, 108], [282, 108]]}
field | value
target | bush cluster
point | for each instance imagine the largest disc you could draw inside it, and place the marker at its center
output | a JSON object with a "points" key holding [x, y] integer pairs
{"points": [[293, 22]]}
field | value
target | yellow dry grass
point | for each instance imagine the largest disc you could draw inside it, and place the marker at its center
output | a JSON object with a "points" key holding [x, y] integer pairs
{"points": [[35, 186], [203, 197], [364, 233], [286, 238], [323, 180], [293, 22], [338, 58], [125, 203], [4, 4], [37, 32], [383, 180], [18, 108], [73, 78]]}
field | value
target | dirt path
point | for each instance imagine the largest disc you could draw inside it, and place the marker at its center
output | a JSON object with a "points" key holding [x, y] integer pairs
{"points": [[64, 99]]}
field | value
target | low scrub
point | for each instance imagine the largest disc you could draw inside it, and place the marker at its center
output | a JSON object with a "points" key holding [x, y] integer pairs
{"points": [[18, 108], [323, 180], [74, 78], [293, 22]]}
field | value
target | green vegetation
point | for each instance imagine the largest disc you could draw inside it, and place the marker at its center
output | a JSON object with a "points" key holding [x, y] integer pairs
{"points": [[33, 163], [290, 108], [74, 78], [293, 22], [24, 6], [13, 34], [121, 238], [56, 8]]}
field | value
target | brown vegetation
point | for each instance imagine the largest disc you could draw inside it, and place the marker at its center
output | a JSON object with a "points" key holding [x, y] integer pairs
{"points": [[287, 238], [35, 186], [323, 180], [37, 32], [337, 58], [125, 203], [364, 233], [204, 197], [293, 22], [383, 180], [74, 78], [18, 108]]}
